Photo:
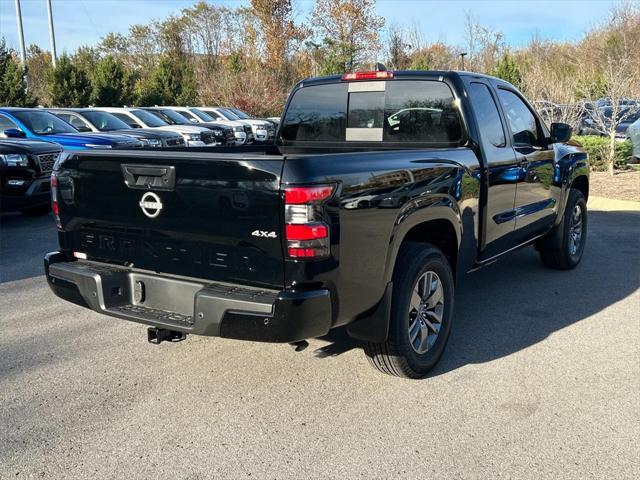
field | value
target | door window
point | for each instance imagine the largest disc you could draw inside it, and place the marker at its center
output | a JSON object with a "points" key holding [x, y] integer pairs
{"points": [[75, 121], [522, 122]]}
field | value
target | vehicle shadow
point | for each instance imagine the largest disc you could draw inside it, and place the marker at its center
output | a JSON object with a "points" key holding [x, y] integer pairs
{"points": [[24, 241], [517, 302]]}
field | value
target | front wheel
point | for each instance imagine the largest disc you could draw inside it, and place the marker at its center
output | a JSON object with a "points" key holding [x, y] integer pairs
{"points": [[568, 249], [421, 313]]}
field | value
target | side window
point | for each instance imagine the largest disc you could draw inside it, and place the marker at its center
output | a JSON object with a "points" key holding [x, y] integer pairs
{"points": [[6, 124], [75, 121], [486, 112], [521, 121], [126, 119]]}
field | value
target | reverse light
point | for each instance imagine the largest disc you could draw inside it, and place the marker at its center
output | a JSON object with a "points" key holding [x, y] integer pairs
{"points": [[306, 233], [355, 76]]}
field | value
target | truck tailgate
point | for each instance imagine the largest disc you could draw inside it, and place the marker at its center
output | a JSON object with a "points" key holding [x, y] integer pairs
{"points": [[204, 215]]}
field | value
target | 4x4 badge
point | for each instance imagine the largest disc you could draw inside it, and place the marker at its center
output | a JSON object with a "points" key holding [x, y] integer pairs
{"points": [[150, 205]]}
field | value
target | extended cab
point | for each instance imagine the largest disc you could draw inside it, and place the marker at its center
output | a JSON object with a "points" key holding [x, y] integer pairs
{"points": [[383, 190]]}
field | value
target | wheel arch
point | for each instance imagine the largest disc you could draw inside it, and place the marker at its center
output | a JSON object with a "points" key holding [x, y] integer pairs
{"points": [[438, 224]]}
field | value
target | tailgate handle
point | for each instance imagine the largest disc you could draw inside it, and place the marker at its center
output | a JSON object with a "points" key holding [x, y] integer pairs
{"points": [[145, 177]]}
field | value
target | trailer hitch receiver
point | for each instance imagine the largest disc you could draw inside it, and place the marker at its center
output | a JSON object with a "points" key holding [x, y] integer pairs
{"points": [[159, 335]]}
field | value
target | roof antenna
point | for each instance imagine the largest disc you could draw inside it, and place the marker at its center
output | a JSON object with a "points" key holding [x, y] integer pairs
{"points": [[380, 67]]}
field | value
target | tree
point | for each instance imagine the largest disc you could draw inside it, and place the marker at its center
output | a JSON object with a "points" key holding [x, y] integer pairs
{"points": [[68, 85], [12, 86], [170, 84], [483, 46], [617, 73], [278, 29], [509, 70], [38, 65], [111, 83], [348, 32], [398, 49]]}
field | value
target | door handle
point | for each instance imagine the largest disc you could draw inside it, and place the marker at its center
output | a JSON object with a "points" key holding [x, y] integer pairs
{"points": [[147, 177]]}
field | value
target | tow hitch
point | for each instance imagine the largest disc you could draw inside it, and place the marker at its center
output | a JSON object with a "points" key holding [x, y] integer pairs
{"points": [[159, 335]]}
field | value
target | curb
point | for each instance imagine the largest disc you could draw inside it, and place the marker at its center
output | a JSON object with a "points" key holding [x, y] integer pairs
{"points": [[610, 204]]}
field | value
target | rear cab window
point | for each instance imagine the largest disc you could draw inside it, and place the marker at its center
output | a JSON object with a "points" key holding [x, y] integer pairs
{"points": [[390, 112]]}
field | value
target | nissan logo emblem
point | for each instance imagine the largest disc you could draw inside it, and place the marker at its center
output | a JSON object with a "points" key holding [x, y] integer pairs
{"points": [[150, 205]]}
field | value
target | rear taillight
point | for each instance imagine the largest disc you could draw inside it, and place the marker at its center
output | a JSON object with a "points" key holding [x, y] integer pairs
{"points": [[306, 233], [55, 207], [355, 76]]}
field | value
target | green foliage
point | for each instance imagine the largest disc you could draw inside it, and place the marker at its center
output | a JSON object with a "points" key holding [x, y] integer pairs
{"points": [[420, 63], [12, 87], [68, 85], [597, 148], [509, 70], [593, 87], [170, 84], [111, 83]]}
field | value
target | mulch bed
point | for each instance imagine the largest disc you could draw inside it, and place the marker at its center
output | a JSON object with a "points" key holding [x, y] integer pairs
{"points": [[624, 185]]}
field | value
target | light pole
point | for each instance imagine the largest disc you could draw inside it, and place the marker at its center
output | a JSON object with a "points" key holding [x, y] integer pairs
{"points": [[52, 35], [23, 57], [462, 55]]}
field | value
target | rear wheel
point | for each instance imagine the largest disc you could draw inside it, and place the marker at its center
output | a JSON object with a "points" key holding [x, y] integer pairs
{"points": [[567, 251], [421, 313]]}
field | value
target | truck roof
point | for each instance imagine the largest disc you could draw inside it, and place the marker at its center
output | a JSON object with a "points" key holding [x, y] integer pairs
{"points": [[407, 74]]}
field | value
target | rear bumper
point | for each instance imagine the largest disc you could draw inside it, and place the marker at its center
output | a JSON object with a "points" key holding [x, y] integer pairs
{"points": [[190, 306]]}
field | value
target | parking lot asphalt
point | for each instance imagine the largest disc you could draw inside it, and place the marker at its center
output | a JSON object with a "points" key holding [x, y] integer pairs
{"points": [[541, 379]]}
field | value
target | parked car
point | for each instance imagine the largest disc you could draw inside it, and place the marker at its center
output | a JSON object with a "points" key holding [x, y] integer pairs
{"points": [[264, 130], [25, 175], [93, 120], [634, 135], [598, 121], [41, 125], [193, 136], [223, 135], [243, 130], [291, 259]]}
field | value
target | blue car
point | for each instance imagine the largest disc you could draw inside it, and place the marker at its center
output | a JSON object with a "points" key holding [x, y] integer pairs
{"points": [[41, 125]]}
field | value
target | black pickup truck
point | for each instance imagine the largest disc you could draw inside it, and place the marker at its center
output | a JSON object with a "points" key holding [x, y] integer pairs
{"points": [[25, 175], [383, 190]]}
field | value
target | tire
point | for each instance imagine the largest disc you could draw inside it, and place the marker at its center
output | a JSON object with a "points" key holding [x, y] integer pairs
{"points": [[414, 270], [36, 211], [567, 251]]}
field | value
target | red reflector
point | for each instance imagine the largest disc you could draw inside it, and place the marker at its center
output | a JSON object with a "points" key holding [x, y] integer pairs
{"points": [[54, 181], [367, 76], [306, 232], [298, 195], [55, 209]]}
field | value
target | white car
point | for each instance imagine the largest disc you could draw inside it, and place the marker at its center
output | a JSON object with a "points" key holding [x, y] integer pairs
{"points": [[242, 131], [193, 135], [263, 128]]}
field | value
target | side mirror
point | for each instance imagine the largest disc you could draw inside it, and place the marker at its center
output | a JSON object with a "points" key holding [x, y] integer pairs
{"points": [[14, 133], [560, 132]]}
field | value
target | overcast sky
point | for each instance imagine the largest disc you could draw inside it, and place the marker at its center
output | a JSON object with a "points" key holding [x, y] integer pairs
{"points": [[84, 22]]}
